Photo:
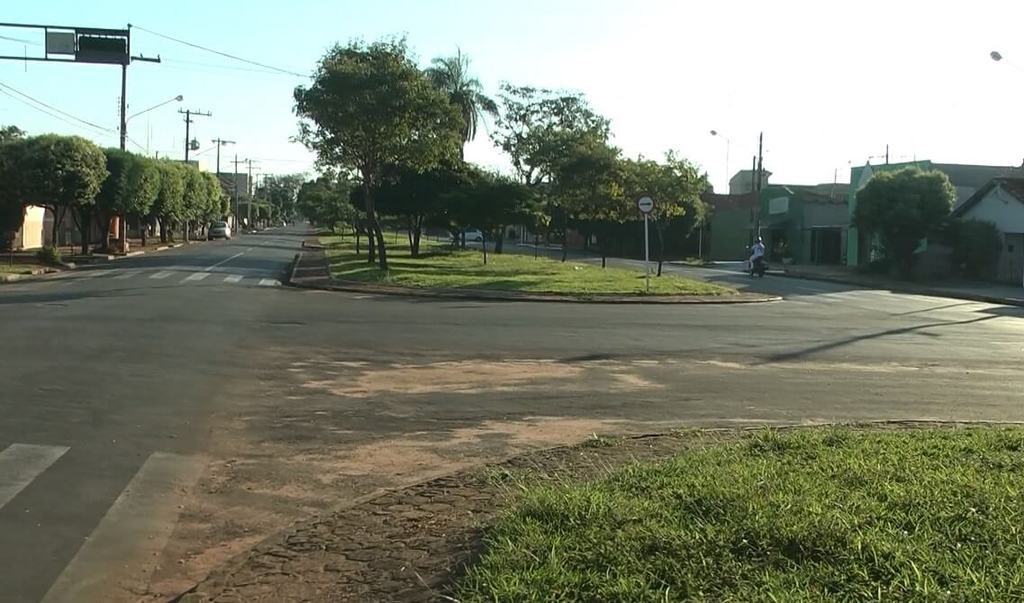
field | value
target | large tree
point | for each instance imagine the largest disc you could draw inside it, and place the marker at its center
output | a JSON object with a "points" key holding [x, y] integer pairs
{"points": [[281, 192], [370, 109], [12, 205], [62, 173], [487, 201], [451, 75], [325, 202], [169, 205], [130, 188], [416, 198], [903, 207]]}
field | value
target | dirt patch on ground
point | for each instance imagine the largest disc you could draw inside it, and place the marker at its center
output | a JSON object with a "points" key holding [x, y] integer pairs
{"points": [[463, 377]]}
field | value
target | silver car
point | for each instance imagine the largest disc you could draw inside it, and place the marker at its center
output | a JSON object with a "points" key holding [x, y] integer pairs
{"points": [[218, 230]]}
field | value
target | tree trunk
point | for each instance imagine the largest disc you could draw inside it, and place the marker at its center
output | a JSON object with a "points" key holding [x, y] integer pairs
{"points": [[358, 231], [143, 229], [163, 230], [58, 220], [382, 254], [84, 228], [499, 242], [483, 244], [661, 247], [416, 238], [185, 229]]}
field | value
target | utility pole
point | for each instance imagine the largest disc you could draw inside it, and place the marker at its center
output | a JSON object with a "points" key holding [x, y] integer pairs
{"points": [[219, 142], [760, 184], [235, 186], [188, 122]]}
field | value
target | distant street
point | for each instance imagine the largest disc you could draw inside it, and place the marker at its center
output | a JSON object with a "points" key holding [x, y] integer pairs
{"points": [[162, 413]]}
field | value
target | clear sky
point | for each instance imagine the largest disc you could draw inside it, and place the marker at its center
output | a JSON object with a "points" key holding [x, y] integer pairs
{"points": [[829, 83]]}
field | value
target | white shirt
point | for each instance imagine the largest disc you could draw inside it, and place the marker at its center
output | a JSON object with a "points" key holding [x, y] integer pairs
{"points": [[758, 250]]}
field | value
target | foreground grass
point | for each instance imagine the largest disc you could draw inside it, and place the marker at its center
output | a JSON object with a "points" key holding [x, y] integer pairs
{"points": [[17, 268], [440, 267], [823, 515]]}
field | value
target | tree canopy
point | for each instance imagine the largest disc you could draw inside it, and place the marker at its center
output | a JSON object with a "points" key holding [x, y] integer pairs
{"points": [[902, 207]]}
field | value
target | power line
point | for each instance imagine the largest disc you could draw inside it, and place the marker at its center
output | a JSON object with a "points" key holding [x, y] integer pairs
{"points": [[219, 66], [218, 52], [52, 108], [103, 131]]}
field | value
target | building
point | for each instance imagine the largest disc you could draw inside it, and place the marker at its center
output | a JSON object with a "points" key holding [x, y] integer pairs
{"points": [[729, 232], [745, 181], [803, 225], [35, 229], [1001, 202], [967, 179]]}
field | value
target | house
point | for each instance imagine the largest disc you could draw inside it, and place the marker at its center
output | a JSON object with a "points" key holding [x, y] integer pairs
{"points": [[745, 181], [1001, 202], [967, 179], [801, 224], [730, 230]]}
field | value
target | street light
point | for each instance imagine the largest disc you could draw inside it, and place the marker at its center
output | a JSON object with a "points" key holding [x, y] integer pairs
{"points": [[728, 143], [177, 99], [996, 56]]}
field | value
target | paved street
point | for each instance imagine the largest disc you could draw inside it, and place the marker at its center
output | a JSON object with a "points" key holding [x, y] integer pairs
{"points": [[161, 413]]}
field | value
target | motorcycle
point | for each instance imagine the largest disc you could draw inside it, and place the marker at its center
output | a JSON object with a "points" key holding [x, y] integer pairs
{"points": [[758, 267]]}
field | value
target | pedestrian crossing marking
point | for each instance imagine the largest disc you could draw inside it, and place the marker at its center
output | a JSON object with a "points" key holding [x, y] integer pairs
{"points": [[233, 278], [196, 276], [269, 282], [125, 275], [126, 545], [163, 274], [21, 463]]}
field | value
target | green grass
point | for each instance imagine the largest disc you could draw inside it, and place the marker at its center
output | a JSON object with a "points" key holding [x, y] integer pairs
{"points": [[821, 515], [6, 268], [439, 266]]}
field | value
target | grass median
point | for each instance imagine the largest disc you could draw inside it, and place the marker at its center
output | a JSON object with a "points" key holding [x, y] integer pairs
{"points": [[440, 267], [819, 515]]}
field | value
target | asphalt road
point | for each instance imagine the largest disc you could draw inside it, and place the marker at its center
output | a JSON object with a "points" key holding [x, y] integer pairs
{"points": [[161, 412]]}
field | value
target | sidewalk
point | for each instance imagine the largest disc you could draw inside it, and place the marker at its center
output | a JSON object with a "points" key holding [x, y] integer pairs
{"points": [[957, 289]]}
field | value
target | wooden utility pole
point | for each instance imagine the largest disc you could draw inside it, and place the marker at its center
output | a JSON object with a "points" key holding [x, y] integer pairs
{"points": [[188, 113]]}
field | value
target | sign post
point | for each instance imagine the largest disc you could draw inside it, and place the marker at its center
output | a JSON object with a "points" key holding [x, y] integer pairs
{"points": [[646, 205]]}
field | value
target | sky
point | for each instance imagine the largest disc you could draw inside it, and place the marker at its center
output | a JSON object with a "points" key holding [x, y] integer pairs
{"points": [[830, 84]]}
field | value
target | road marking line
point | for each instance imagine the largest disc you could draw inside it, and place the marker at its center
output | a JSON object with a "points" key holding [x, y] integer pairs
{"points": [[125, 275], [195, 276], [21, 463], [125, 547], [95, 273], [233, 278], [163, 274], [209, 268], [269, 282]]}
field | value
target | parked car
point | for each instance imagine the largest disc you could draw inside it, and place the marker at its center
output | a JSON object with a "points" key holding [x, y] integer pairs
{"points": [[473, 235], [218, 230]]}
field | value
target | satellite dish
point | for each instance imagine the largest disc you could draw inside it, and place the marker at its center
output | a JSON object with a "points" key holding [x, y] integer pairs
{"points": [[194, 145]]}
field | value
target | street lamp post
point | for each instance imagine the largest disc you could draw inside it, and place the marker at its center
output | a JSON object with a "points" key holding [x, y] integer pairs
{"points": [[997, 56], [177, 99]]}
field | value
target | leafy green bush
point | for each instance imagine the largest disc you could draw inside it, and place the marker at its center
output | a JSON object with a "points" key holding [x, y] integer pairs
{"points": [[976, 247], [49, 255]]}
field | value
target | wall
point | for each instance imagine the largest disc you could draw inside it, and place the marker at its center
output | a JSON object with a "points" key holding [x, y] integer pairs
{"points": [[728, 233], [33, 230], [1000, 208]]}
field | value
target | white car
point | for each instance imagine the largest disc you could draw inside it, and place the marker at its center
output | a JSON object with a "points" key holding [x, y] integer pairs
{"points": [[473, 235], [218, 230]]}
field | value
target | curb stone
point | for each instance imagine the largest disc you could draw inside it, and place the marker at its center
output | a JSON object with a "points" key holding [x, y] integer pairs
{"points": [[323, 281]]}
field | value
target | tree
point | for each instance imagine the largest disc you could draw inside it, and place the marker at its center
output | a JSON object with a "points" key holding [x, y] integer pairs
{"points": [[416, 198], [325, 202], [281, 192], [169, 205], [197, 197], [451, 75], [487, 201], [538, 128], [143, 188], [587, 188], [675, 185], [11, 133], [12, 206], [976, 247], [902, 207], [62, 173], [369, 109]]}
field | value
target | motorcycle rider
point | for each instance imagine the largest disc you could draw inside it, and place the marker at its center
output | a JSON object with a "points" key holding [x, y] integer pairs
{"points": [[757, 253]]}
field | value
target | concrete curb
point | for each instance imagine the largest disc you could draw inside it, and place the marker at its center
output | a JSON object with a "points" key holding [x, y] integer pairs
{"points": [[35, 274], [912, 290], [328, 284]]}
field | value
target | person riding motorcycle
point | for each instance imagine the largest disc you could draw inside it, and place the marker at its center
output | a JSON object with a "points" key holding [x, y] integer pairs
{"points": [[757, 253]]}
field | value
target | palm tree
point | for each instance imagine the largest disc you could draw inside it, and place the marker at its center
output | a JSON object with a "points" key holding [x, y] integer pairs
{"points": [[451, 75]]}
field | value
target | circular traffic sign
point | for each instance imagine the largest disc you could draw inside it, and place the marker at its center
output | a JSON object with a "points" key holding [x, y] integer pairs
{"points": [[645, 204]]}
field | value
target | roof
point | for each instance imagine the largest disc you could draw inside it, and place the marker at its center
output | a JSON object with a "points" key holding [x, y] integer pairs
{"points": [[1013, 186], [724, 202]]}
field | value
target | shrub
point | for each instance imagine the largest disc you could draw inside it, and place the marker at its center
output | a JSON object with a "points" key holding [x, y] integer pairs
{"points": [[49, 255], [976, 247]]}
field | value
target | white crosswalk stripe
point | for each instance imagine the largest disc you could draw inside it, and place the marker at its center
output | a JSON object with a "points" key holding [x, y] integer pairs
{"points": [[126, 275], [269, 282], [162, 274], [196, 276], [233, 278], [21, 463], [126, 545]]}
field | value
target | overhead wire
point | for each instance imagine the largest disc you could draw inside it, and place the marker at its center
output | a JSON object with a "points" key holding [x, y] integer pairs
{"points": [[102, 132], [221, 53], [52, 108]]}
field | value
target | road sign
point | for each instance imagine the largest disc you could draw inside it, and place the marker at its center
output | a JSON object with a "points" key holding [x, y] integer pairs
{"points": [[645, 204]]}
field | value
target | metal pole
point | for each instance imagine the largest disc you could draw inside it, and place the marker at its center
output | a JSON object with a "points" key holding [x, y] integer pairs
{"points": [[188, 121], [647, 256], [124, 106]]}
